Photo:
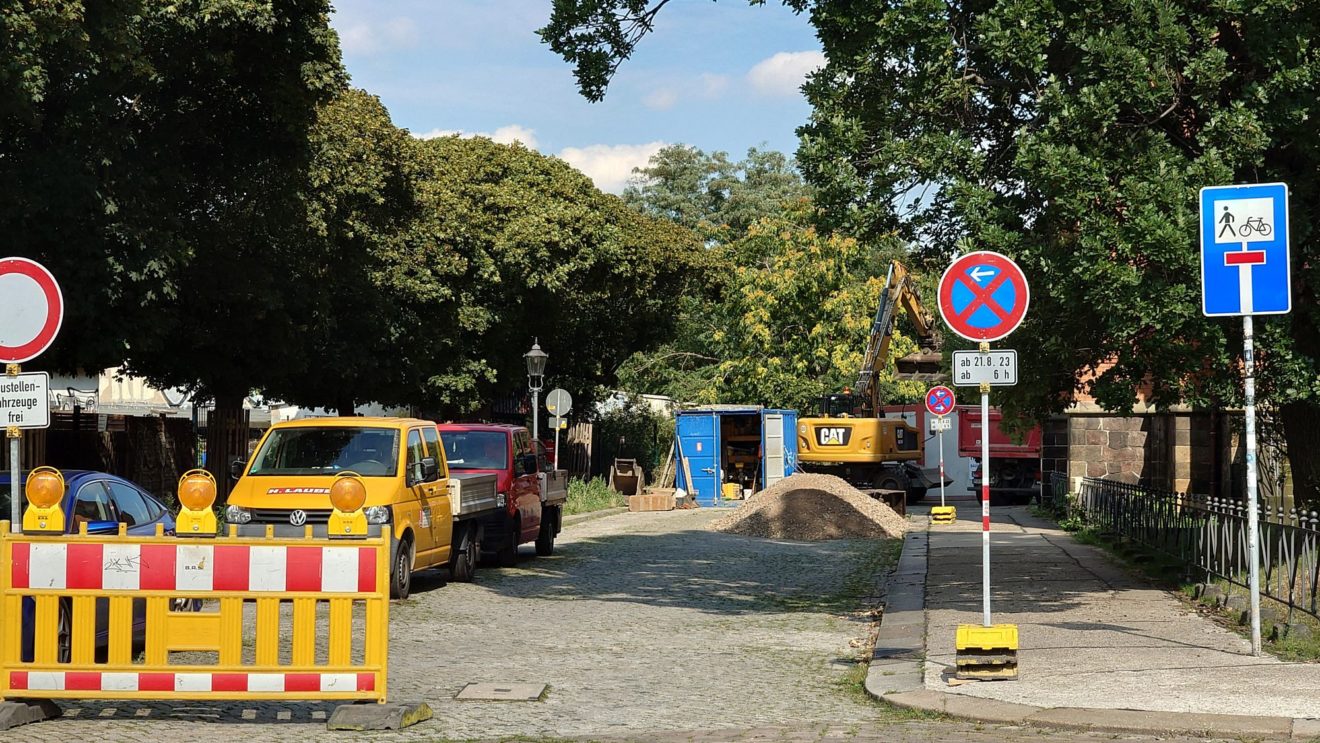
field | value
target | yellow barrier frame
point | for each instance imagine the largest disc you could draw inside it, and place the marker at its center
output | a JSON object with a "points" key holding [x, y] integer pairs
{"points": [[237, 675]]}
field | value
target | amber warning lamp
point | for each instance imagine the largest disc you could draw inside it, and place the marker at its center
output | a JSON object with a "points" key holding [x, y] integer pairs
{"points": [[45, 490], [196, 494], [347, 495]]}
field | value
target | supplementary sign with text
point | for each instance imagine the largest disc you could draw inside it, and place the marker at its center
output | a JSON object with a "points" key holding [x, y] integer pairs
{"points": [[971, 368], [24, 401]]}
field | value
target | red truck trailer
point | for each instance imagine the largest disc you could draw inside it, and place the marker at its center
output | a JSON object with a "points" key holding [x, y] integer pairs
{"points": [[1014, 467]]}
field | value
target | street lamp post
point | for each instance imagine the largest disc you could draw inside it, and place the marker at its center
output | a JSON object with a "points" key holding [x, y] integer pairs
{"points": [[536, 359]]}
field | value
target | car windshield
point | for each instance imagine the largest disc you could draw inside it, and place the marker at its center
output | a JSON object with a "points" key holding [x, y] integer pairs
{"points": [[476, 450], [370, 452]]}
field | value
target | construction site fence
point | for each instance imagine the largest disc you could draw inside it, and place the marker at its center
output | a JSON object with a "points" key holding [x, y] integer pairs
{"points": [[169, 618]]}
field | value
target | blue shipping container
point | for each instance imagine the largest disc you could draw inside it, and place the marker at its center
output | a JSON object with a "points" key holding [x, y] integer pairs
{"points": [[709, 439]]}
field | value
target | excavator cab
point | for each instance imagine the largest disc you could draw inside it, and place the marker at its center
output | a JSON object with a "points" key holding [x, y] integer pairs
{"points": [[845, 405]]}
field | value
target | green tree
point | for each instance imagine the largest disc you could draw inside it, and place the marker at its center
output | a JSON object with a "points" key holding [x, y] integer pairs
{"points": [[546, 255], [1073, 138], [708, 193], [790, 324]]}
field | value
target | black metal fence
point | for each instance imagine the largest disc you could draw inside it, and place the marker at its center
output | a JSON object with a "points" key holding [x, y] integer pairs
{"points": [[1207, 534]]}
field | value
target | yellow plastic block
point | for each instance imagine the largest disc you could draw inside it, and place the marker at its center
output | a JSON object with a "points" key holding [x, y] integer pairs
{"points": [[995, 637], [943, 514], [190, 523], [43, 520], [351, 524]]}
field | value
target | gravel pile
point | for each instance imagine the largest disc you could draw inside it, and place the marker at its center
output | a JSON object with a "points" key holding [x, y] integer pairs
{"points": [[812, 508]]}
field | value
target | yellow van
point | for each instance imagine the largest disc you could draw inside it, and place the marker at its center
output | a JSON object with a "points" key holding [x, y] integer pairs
{"points": [[287, 484]]}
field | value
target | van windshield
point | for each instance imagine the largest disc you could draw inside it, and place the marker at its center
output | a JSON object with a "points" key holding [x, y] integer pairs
{"points": [[476, 450], [370, 452]]}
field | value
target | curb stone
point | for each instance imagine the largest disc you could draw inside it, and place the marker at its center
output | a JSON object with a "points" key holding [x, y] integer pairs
{"points": [[896, 676]]}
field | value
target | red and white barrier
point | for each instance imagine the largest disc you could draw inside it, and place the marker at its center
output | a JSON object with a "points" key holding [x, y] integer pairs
{"points": [[194, 567]]}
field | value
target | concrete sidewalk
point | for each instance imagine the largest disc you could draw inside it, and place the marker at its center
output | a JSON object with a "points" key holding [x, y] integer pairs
{"points": [[1094, 638]]}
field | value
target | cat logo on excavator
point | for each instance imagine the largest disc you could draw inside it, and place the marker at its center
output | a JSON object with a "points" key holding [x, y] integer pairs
{"points": [[833, 436]]}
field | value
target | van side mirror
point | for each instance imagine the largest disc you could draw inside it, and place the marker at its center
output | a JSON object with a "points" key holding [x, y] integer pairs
{"points": [[236, 468], [529, 464], [430, 469]]}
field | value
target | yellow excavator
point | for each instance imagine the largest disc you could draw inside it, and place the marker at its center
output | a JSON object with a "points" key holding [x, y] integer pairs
{"points": [[850, 437]]}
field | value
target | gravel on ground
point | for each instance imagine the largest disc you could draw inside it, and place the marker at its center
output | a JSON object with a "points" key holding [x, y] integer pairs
{"points": [[812, 508]]}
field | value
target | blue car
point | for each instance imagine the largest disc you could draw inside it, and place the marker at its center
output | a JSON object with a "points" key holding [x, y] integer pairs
{"points": [[103, 502]]}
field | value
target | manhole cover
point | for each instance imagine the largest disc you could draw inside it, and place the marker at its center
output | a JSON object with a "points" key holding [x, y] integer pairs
{"points": [[501, 692]]}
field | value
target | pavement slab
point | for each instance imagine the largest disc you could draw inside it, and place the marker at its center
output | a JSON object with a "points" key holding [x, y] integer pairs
{"points": [[1095, 635]]}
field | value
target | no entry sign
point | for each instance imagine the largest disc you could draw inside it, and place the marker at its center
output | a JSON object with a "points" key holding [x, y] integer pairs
{"points": [[983, 296], [31, 310], [939, 400]]}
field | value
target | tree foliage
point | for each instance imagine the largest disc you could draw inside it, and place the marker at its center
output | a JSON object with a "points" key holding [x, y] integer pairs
{"points": [[1074, 138], [789, 325], [708, 193]]}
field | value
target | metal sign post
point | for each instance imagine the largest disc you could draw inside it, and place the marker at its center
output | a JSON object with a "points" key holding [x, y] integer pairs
{"points": [[985, 498], [939, 403], [983, 297], [1245, 271]]}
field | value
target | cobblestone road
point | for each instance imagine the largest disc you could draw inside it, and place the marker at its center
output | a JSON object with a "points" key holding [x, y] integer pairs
{"points": [[639, 623], [647, 628]]}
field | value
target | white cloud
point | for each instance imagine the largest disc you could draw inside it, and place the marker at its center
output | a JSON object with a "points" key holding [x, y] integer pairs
{"points": [[372, 38], [784, 73], [504, 135], [610, 166], [712, 85], [661, 99]]}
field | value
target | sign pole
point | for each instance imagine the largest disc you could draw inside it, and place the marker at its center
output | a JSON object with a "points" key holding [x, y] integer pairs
{"points": [[941, 437], [15, 469], [985, 498], [556, 444], [1253, 524]]}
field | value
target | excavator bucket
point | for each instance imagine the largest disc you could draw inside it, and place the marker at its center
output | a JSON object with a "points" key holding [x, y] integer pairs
{"points": [[922, 366], [987, 653], [626, 477]]}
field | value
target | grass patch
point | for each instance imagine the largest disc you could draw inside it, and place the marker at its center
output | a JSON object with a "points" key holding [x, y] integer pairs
{"points": [[585, 496]]}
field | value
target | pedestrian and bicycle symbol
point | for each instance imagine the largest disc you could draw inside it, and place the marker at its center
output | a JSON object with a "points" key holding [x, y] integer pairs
{"points": [[1244, 250], [939, 400], [983, 296]]}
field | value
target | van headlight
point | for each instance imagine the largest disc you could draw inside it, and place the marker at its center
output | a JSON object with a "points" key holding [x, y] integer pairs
{"points": [[377, 514], [500, 500], [237, 515]]}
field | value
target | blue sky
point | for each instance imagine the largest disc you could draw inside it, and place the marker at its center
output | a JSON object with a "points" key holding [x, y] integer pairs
{"points": [[720, 76]]}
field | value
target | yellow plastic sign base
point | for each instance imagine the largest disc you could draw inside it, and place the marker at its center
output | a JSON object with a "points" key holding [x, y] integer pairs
{"points": [[943, 514], [190, 523], [986, 652], [342, 524], [43, 520]]}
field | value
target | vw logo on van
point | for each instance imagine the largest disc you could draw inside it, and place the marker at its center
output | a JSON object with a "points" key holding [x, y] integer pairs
{"points": [[298, 517]]}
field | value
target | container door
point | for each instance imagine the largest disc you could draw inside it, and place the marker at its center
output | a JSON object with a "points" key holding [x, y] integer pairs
{"points": [[790, 441], [697, 437], [772, 434]]}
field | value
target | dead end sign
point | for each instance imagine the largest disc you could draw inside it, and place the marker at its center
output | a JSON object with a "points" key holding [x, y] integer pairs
{"points": [[31, 310], [983, 296]]}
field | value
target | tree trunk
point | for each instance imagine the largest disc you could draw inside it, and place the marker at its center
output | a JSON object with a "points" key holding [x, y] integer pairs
{"points": [[1302, 434], [345, 407], [226, 441]]}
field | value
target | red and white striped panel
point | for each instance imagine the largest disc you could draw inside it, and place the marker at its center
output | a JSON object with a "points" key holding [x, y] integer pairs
{"points": [[193, 683], [193, 567]]}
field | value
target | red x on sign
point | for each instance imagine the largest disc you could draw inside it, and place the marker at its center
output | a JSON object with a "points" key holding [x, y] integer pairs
{"points": [[983, 296]]}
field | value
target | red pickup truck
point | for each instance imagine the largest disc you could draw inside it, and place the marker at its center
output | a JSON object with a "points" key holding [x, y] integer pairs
{"points": [[1014, 467], [533, 493]]}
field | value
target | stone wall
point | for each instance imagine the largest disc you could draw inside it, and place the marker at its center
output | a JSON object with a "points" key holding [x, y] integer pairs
{"points": [[1184, 451], [1124, 448]]}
